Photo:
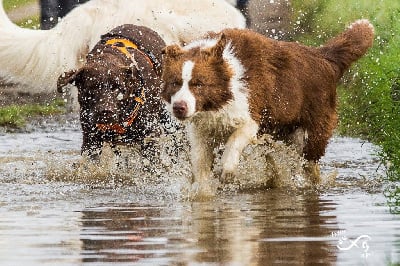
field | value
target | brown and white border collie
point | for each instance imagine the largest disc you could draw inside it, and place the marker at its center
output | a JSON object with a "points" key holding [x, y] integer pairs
{"points": [[236, 85]]}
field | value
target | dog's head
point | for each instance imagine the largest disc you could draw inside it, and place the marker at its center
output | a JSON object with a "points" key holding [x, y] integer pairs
{"points": [[106, 90], [196, 78]]}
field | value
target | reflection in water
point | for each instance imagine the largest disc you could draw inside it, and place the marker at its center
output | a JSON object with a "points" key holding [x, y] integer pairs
{"points": [[265, 222], [274, 226], [129, 233]]}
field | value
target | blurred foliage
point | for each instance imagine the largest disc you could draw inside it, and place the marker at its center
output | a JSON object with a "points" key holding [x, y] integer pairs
{"points": [[10, 4], [369, 96], [29, 22], [15, 116]]}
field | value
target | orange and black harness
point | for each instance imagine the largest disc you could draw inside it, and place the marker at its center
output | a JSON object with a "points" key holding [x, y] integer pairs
{"points": [[124, 45]]}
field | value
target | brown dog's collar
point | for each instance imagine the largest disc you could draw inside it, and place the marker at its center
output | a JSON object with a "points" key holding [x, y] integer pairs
{"points": [[123, 45]]}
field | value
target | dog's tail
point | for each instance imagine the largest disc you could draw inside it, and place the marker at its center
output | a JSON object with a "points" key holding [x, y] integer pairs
{"points": [[34, 59], [17, 55], [350, 45]]}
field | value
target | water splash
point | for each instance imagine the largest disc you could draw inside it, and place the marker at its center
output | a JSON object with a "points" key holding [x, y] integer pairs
{"points": [[264, 164], [43, 157], [164, 174]]}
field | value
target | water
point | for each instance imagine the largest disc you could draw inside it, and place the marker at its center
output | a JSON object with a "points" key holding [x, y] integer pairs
{"points": [[51, 215]]}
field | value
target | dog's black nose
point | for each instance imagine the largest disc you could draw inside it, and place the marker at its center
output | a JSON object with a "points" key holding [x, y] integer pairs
{"points": [[180, 109]]}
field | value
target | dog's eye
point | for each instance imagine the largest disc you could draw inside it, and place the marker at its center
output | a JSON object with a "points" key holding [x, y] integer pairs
{"points": [[197, 84], [176, 83]]}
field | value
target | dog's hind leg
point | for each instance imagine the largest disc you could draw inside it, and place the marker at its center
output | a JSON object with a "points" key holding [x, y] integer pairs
{"points": [[298, 138], [314, 149]]}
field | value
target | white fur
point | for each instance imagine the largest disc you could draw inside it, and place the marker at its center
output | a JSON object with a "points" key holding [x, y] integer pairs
{"points": [[232, 125], [239, 113], [203, 43], [184, 93], [362, 21], [232, 2], [239, 108], [36, 58]]}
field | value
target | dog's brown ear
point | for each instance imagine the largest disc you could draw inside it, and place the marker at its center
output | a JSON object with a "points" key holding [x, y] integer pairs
{"points": [[66, 78], [172, 51], [219, 48]]}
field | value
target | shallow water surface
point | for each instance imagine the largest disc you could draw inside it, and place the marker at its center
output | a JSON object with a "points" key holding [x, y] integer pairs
{"points": [[51, 221]]}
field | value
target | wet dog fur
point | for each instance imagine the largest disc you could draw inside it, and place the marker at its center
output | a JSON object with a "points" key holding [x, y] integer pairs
{"points": [[113, 82], [236, 85]]}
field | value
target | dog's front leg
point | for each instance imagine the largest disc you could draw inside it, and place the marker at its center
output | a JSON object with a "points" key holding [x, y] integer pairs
{"points": [[91, 146], [202, 157], [237, 141]]}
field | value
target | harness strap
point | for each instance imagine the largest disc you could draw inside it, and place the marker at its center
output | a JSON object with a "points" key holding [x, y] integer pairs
{"points": [[123, 45]]}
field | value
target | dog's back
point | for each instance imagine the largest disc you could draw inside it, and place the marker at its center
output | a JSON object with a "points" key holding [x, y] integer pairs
{"points": [[291, 85]]}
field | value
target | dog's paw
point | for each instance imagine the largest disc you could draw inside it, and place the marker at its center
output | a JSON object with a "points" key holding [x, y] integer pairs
{"points": [[202, 191], [230, 164], [227, 177], [312, 172]]}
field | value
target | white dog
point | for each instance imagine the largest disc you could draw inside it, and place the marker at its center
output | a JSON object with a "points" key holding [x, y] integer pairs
{"points": [[36, 58]]}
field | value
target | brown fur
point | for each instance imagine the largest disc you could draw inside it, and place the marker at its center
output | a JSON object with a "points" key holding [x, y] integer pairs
{"points": [[107, 84]]}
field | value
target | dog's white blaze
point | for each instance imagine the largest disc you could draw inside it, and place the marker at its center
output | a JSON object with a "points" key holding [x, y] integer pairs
{"points": [[187, 70], [184, 94]]}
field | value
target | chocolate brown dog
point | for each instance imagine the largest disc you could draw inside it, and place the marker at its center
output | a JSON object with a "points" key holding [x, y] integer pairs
{"points": [[119, 89]]}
